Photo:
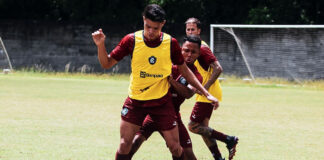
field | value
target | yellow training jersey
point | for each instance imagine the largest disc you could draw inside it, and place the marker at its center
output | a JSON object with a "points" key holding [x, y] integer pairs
{"points": [[215, 89], [150, 69]]}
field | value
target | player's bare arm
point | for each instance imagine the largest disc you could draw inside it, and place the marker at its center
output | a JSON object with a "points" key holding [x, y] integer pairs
{"points": [[217, 70], [194, 89], [105, 60], [181, 89], [190, 77]]}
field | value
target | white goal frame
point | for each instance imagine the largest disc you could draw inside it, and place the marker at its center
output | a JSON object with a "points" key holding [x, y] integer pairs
{"points": [[4, 49], [229, 29]]}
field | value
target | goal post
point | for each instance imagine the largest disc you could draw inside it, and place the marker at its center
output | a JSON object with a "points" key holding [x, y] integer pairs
{"points": [[5, 58], [294, 52]]}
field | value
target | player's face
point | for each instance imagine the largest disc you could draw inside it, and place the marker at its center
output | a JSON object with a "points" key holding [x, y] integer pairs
{"points": [[152, 30], [192, 29], [190, 52]]}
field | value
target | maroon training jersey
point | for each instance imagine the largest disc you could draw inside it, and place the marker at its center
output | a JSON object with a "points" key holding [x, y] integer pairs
{"points": [[177, 98], [206, 57], [126, 47]]}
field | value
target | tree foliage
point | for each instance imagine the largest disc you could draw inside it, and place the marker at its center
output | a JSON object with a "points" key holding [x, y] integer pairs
{"points": [[129, 11]]}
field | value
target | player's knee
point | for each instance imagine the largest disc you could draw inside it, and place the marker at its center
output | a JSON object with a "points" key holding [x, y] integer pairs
{"points": [[125, 145], [138, 140], [191, 129], [175, 149], [192, 126]]}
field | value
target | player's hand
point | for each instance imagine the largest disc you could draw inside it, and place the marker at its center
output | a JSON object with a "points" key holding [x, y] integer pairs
{"points": [[216, 106], [214, 101], [170, 78], [98, 37]]}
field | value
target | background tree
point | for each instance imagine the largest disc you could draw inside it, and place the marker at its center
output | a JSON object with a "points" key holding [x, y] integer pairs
{"points": [[124, 12]]}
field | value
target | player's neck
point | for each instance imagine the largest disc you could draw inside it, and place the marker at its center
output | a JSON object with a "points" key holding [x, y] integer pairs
{"points": [[153, 43]]}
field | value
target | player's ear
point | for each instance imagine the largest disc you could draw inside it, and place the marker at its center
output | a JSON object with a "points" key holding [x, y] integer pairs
{"points": [[198, 30], [162, 23]]}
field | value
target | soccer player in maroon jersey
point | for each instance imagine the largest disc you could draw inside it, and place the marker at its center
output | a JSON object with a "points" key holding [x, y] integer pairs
{"points": [[153, 53], [180, 90], [210, 69]]}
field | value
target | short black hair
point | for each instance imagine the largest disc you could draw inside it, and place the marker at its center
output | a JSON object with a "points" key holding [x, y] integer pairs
{"points": [[194, 20], [154, 12], [192, 38]]}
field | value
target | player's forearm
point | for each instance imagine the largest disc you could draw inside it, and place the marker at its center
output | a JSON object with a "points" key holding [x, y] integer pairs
{"points": [[194, 82], [105, 60], [191, 78], [217, 70], [181, 89]]}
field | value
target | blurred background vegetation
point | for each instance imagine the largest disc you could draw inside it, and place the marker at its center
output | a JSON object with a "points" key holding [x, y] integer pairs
{"points": [[127, 12]]}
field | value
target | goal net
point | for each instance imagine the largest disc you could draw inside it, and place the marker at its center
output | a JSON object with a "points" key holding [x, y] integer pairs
{"points": [[294, 52], [5, 63]]}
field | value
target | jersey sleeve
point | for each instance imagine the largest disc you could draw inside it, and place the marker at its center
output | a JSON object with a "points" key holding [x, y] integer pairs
{"points": [[125, 47], [175, 72], [207, 55], [176, 56]]}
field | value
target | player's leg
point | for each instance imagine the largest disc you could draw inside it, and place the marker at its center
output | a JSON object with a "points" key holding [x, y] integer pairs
{"points": [[185, 141], [199, 124], [131, 120], [171, 138], [210, 135], [213, 147], [137, 142], [203, 130], [166, 121], [127, 133], [231, 141], [211, 142], [145, 132], [188, 154], [199, 119]]}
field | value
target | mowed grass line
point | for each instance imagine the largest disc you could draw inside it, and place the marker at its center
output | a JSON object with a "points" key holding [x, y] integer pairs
{"points": [[77, 117]]}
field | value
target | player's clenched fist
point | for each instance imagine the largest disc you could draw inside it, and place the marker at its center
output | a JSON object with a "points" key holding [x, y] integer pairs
{"points": [[99, 37]]}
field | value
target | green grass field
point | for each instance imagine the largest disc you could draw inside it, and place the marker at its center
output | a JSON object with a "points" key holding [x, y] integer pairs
{"points": [[72, 117]]}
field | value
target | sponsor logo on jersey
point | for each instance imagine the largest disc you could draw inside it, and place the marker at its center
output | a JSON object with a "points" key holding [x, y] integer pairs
{"points": [[124, 111], [174, 123], [188, 141], [144, 89], [193, 116], [152, 60], [145, 74]]}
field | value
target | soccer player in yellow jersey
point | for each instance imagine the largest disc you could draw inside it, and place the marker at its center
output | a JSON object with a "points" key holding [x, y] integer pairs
{"points": [[153, 53], [180, 90], [210, 69]]}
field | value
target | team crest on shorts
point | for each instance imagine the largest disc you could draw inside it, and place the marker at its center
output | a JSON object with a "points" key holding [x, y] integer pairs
{"points": [[152, 60], [124, 111]]}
